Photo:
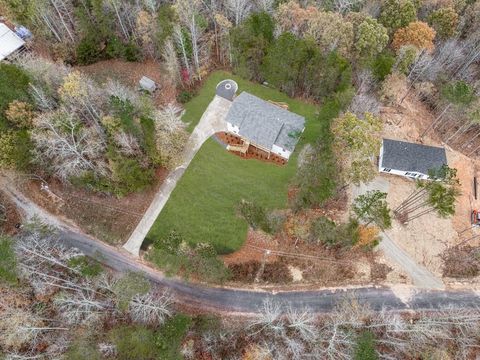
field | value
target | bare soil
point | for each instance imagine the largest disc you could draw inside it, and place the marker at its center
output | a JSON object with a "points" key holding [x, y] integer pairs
{"points": [[427, 237], [9, 216], [312, 264], [130, 74]]}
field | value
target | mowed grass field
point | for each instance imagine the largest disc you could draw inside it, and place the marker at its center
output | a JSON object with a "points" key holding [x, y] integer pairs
{"points": [[202, 208]]}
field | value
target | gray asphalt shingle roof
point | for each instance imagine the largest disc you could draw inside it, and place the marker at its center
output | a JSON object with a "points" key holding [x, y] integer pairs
{"points": [[265, 124], [405, 156]]}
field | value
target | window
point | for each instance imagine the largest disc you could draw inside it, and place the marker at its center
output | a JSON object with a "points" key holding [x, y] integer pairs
{"points": [[387, 169]]}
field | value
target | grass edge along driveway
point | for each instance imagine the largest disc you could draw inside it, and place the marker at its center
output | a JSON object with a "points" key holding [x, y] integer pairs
{"points": [[202, 208]]}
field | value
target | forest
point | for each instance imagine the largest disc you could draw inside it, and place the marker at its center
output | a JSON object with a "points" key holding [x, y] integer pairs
{"points": [[348, 59]]}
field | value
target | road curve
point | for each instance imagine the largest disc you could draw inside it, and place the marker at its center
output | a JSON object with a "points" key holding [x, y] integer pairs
{"points": [[249, 302]]}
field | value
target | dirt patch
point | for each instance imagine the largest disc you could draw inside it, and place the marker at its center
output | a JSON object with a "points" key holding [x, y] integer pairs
{"points": [[461, 262], [130, 74], [253, 249], [297, 274], [427, 237], [379, 272], [108, 218]]}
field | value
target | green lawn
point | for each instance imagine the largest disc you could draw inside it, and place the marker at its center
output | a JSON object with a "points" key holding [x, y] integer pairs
{"points": [[203, 205]]}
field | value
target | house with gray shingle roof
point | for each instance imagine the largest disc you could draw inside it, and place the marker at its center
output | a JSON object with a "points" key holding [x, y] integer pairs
{"points": [[410, 159], [264, 125]]}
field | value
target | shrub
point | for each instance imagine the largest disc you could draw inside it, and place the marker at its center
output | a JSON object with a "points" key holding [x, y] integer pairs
{"points": [[205, 264], [149, 141], [128, 286], [88, 51], [368, 237], [83, 350], [86, 266], [16, 147], [130, 176], [382, 65], [365, 347], [170, 337], [255, 215], [20, 114], [185, 96], [135, 342], [8, 261], [13, 86], [131, 52], [406, 57], [114, 49], [324, 230], [393, 88], [461, 262], [173, 254]]}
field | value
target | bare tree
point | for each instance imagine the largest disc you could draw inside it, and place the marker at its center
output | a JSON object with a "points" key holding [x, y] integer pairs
{"points": [[172, 65], [238, 9], [67, 147], [151, 308], [171, 135], [265, 5], [81, 307], [188, 12]]}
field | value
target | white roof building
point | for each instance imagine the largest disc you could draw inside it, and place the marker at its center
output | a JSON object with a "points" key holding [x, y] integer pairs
{"points": [[9, 41]]}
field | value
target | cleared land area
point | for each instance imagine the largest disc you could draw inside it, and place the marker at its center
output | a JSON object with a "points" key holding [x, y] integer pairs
{"points": [[202, 207]]}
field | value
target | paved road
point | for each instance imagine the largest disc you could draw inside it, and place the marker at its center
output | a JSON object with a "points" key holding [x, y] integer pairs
{"points": [[212, 121], [235, 300], [248, 301]]}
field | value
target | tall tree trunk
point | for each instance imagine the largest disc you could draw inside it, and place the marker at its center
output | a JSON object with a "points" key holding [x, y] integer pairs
{"points": [[435, 121]]}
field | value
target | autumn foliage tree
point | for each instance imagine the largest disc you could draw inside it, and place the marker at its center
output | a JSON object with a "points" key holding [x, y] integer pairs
{"points": [[417, 33]]}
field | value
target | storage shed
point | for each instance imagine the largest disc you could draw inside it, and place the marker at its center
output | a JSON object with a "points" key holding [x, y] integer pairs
{"points": [[10, 42]]}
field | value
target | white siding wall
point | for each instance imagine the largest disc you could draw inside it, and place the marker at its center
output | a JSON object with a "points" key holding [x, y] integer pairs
{"points": [[281, 152], [409, 174]]}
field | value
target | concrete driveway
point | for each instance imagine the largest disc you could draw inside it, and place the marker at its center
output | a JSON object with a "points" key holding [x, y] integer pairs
{"points": [[421, 276], [212, 121]]}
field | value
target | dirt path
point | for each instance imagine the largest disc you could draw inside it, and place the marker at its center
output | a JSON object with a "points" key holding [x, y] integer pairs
{"points": [[212, 121], [420, 276]]}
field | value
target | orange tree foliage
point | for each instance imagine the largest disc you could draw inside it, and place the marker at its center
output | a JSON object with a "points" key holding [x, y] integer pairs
{"points": [[368, 236], [417, 33]]}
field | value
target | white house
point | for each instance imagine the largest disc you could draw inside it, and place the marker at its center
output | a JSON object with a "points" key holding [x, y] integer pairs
{"points": [[264, 125], [410, 159], [9, 41]]}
